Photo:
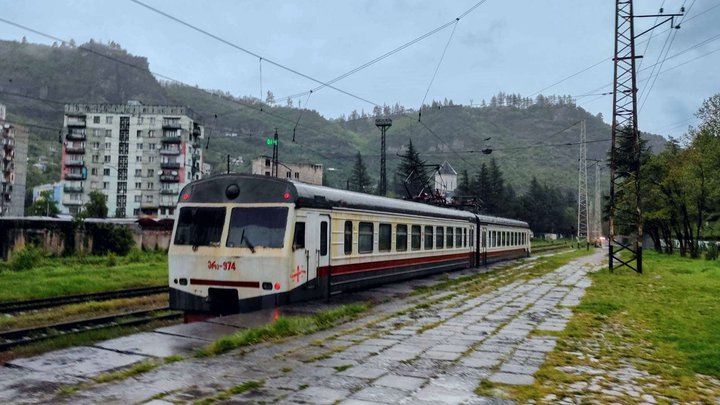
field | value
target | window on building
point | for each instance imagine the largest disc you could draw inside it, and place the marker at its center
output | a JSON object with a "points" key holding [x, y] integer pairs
{"points": [[348, 239], [297, 175], [96, 119], [428, 238], [94, 171], [138, 172], [148, 197], [107, 159], [152, 120], [96, 132], [95, 158], [108, 133], [267, 162], [139, 120], [96, 145], [138, 198], [151, 159], [151, 133], [151, 146], [108, 145], [106, 172], [365, 237], [138, 185], [106, 185], [401, 238], [139, 146], [267, 173], [288, 174], [139, 133], [138, 159], [150, 185], [151, 172], [385, 237], [416, 238], [108, 119]]}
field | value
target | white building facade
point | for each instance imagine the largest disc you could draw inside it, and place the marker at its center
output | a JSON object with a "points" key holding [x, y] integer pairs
{"points": [[306, 173], [139, 156]]}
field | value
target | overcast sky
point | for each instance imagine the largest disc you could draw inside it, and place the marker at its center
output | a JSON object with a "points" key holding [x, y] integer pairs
{"points": [[515, 46]]}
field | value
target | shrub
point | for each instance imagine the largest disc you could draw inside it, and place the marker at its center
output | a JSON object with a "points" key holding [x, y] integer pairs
{"points": [[712, 251], [109, 238], [26, 258]]}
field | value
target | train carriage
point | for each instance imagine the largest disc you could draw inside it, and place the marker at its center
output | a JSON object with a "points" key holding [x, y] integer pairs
{"points": [[244, 242]]}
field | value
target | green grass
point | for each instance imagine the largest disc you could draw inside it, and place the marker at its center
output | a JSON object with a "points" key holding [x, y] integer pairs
{"points": [[238, 389], [535, 243], [135, 369], [665, 321], [284, 327], [56, 276]]}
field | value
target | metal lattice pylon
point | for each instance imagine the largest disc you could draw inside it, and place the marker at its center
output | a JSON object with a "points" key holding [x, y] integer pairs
{"points": [[625, 147], [582, 212]]}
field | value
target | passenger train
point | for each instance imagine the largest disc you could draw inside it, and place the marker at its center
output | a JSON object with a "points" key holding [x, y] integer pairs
{"points": [[244, 242]]}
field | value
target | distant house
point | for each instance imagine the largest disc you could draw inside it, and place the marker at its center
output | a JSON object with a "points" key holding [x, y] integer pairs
{"points": [[446, 179], [306, 173]]}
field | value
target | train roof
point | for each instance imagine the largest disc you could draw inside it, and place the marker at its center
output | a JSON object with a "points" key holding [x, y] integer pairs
{"points": [[248, 188]]}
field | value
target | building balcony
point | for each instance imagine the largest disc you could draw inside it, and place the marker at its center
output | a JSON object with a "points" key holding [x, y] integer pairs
{"points": [[170, 151], [75, 149], [76, 121], [171, 139], [168, 203], [74, 176], [73, 202], [69, 188], [168, 191], [171, 124], [169, 178], [76, 136], [74, 163], [169, 165]]}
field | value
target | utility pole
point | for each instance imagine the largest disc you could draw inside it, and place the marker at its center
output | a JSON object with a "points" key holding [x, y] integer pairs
{"points": [[596, 212], [582, 218], [625, 141], [383, 124], [275, 155]]}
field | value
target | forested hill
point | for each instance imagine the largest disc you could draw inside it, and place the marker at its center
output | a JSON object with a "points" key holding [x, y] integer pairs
{"points": [[528, 137]]}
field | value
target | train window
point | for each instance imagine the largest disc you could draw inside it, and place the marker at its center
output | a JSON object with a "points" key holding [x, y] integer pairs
{"points": [[440, 237], [323, 238], [385, 238], [365, 237], [428, 238], [450, 237], [472, 238], [416, 238], [299, 237], [200, 226], [257, 226], [459, 237], [348, 237], [401, 238]]}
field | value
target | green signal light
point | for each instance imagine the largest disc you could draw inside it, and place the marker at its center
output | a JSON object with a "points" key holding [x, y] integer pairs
{"points": [[271, 141]]}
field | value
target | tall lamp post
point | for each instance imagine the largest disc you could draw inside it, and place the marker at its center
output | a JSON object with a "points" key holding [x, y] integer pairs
{"points": [[383, 124]]}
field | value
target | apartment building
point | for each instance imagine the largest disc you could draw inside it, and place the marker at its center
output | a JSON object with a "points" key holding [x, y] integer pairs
{"points": [[306, 173], [13, 163], [140, 156]]}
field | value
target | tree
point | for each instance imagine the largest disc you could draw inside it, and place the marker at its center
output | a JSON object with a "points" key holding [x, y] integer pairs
{"points": [[45, 205], [270, 98], [412, 172], [97, 206], [359, 180]]}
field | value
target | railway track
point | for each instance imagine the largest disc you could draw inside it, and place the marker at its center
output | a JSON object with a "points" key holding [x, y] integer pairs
{"points": [[18, 337], [19, 306]]}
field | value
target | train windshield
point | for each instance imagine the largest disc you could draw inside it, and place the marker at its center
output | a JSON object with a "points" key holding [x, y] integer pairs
{"points": [[253, 227], [200, 226]]}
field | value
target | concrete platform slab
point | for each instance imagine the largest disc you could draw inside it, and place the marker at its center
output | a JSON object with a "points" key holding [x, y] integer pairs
{"points": [[78, 361], [246, 320], [153, 344], [199, 330]]}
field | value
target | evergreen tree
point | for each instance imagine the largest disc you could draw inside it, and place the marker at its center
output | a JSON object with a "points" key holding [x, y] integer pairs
{"points": [[412, 172], [359, 181], [481, 187]]}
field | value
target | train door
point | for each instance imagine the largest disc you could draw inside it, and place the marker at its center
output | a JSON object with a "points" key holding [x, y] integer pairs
{"points": [[484, 244], [317, 245]]}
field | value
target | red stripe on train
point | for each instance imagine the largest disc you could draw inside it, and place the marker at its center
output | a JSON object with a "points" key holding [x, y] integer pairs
{"points": [[225, 283], [386, 264]]}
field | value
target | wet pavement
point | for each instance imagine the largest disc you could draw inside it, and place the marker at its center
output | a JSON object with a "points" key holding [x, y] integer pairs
{"points": [[414, 349]]}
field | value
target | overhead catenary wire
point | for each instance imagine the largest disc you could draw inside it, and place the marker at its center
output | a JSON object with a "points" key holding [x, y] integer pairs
{"points": [[437, 68]]}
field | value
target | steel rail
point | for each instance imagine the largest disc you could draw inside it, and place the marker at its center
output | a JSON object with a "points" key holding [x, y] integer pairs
{"points": [[18, 306], [13, 338]]}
